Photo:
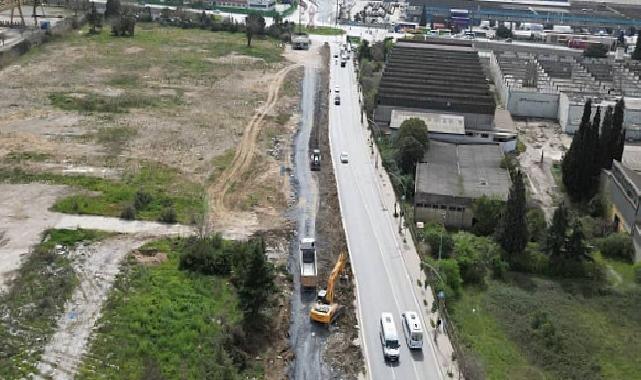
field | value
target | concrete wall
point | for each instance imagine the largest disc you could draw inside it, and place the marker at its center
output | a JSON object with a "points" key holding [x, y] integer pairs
{"points": [[432, 208], [533, 104]]}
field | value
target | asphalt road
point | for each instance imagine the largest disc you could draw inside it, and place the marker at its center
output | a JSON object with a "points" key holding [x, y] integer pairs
{"points": [[383, 282]]}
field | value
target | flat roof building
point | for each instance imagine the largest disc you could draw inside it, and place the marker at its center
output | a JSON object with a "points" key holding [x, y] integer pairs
{"points": [[453, 176]]}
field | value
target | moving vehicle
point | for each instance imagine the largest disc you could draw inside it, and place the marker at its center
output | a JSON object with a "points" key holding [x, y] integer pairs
{"points": [[337, 100], [325, 310], [343, 62], [308, 278], [314, 160], [412, 329], [344, 157], [337, 89], [389, 338]]}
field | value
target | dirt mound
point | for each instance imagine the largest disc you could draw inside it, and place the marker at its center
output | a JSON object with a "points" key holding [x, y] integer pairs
{"points": [[149, 257]]}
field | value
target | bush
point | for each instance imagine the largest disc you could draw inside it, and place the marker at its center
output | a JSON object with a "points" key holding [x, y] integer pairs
{"points": [[142, 199], [617, 246], [536, 224], [128, 213], [637, 273], [475, 255], [503, 32], [168, 215], [596, 51], [486, 212], [449, 270], [532, 261], [207, 256], [432, 234]]}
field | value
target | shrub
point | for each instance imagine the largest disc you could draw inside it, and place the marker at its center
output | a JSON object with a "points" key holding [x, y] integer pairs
{"points": [[474, 256], [449, 271], [168, 215], [536, 224], [617, 246], [637, 272], [142, 199], [128, 213], [532, 261], [432, 234], [207, 256], [486, 212]]}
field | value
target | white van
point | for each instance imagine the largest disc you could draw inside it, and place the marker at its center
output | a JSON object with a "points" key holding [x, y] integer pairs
{"points": [[412, 329], [389, 338]]}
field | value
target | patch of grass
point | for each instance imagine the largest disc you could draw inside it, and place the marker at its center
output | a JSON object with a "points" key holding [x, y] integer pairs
{"points": [[624, 270], [564, 330], [18, 156], [321, 30], [520, 146], [220, 163], [36, 297], [159, 319], [124, 80], [91, 102], [283, 117], [115, 137], [482, 333], [166, 186]]}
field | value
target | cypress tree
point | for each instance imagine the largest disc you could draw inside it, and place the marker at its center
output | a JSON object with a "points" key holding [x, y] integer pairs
{"points": [[637, 49], [557, 232], [572, 164], [618, 132], [513, 234], [605, 140]]}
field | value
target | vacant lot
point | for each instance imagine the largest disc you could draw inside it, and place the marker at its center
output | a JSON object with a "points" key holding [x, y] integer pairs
{"points": [[162, 113], [535, 328]]}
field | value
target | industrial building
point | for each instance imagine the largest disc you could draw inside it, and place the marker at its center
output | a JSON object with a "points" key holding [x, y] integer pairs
{"points": [[557, 86], [451, 128], [452, 176], [622, 188], [438, 77], [585, 13]]}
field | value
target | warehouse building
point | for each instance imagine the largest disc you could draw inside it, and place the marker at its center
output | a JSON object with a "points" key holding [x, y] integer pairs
{"points": [[435, 76], [452, 177]]}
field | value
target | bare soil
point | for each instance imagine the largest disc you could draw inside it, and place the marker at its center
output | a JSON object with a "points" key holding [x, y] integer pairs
{"points": [[341, 352]]}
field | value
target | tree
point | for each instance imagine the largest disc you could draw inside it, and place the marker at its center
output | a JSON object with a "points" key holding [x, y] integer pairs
{"points": [[513, 233], [423, 21], [254, 281], [537, 225], [636, 54], [416, 128], [439, 239], [364, 51], [605, 140], [378, 52], [581, 163], [410, 151], [557, 232], [576, 248], [93, 19], [503, 32], [486, 212], [596, 51], [254, 25], [618, 132], [112, 9]]}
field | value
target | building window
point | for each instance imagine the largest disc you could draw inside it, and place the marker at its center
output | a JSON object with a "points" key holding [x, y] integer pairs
{"points": [[443, 207], [452, 208], [485, 135]]}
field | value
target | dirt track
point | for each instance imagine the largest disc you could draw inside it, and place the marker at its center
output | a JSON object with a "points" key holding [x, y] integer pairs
{"points": [[218, 212]]}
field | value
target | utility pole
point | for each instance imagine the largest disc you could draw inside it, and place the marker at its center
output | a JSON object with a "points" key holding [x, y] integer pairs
{"points": [[440, 246]]}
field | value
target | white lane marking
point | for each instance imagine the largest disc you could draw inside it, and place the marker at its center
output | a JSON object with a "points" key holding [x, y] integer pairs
{"points": [[349, 249], [393, 232]]}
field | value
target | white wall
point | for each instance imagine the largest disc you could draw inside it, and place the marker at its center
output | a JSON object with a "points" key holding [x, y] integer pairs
{"points": [[533, 104]]}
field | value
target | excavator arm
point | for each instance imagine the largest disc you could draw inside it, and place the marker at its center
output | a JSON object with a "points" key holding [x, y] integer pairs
{"points": [[325, 309]]}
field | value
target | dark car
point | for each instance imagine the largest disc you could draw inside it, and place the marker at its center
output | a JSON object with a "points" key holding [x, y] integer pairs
{"points": [[337, 100]]}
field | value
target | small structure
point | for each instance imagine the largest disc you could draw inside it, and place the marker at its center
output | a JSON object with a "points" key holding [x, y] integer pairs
{"points": [[300, 41], [453, 176]]}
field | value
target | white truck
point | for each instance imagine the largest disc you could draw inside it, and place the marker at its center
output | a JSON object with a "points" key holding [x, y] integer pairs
{"points": [[308, 275]]}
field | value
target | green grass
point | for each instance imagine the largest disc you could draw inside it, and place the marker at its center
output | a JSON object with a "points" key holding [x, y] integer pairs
{"points": [[220, 163], [535, 328], [624, 270], [481, 332], [183, 51], [30, 309], [167, 187], [90, 102], [321, 30], [164, 318]]}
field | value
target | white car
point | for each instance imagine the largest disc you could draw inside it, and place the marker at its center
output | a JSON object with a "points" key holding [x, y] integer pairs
{"points": [[412, 330], [337, 89], [344, 157]]}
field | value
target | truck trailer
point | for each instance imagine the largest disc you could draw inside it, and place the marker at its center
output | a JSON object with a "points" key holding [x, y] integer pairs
{"points": [[308, 278]]}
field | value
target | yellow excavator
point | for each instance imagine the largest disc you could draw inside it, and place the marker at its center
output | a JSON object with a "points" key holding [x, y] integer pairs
{"points": [[325, 310]]}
